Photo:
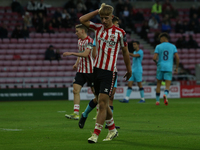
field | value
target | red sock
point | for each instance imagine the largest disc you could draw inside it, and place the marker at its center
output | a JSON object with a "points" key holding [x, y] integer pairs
{"points": [[76, 109], [98, 128], [110, 123]]}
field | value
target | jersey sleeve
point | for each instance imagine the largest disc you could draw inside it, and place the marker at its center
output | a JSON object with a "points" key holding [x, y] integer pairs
{"points": [[90, 44], [123, 39], [156, 50], [93, 26], [175, 49], [140, 52]]}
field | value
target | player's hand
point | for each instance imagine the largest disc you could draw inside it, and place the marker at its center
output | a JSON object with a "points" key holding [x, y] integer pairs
{"points": [[67, 53], [127, 75], [176, 70], [102, 5], [75, 67]]}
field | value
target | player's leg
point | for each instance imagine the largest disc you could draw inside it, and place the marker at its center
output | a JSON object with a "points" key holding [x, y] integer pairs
{"points": [[111, 103], [138, 79], [158, 92], [103, 84], [128, 91], [103, 100], [76, 92], [112, 133], [159, 76], [92, 104], [167, 78], [141, 89]]}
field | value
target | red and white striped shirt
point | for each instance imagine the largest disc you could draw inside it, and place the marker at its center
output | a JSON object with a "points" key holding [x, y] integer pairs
{"points": [[108, 43], [85, 63]]}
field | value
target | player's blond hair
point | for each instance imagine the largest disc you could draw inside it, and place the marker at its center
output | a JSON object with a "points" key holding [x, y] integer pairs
{"points": [[81, 26], [106, 10]]}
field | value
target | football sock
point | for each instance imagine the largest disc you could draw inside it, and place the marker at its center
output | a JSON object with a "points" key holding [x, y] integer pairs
{"points": [[157, 97], [111, 107], [142, 93], [128, 93], [111, 125], [166, 92], [97, 128], [89, 108], [76, 109]]}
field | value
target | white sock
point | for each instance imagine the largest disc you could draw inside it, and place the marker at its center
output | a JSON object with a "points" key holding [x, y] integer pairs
{"points": [[127, 98], [76, 109]]}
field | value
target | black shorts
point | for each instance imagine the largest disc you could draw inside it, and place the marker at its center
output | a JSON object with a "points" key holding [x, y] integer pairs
{"points": [[82, 78], [104, 81]]}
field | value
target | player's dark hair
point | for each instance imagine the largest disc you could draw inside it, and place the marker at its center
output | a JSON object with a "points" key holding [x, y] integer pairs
{"points": [[136, 42], [115, 18], [82, 27], [164, 34]]}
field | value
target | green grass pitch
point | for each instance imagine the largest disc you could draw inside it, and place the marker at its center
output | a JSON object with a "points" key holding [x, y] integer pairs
{"points": [[41, 125]]}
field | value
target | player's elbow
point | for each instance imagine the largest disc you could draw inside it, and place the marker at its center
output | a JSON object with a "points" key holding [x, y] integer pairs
{"points": [[81, 20]]}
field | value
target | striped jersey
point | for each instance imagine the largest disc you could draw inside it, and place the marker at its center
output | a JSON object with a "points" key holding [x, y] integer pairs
{"points": [[85, 63], [108, 43]]}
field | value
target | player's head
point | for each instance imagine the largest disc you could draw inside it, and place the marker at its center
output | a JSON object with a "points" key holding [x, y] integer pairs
{"points": [[106, 15], [136, 45], [115, 21], [81, 30], [164, 37]]}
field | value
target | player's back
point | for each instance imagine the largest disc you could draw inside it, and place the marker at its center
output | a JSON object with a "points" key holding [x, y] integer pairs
{"points": [[166, 52], [137, 62]]}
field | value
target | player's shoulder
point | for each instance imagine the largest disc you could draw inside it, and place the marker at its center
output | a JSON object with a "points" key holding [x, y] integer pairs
{"points": [[119, 29], [89, 38]]}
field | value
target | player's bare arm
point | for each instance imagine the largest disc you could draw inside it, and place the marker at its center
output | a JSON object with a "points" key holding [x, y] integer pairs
{"points": [[75, 66], [94, 53], [127, 62], [177, 62], [155, 58], [134, 55], [84, 54], [85, 19]]}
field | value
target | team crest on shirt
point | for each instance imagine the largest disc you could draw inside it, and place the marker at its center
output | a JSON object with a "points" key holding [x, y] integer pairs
{"points": [[112, 37]]}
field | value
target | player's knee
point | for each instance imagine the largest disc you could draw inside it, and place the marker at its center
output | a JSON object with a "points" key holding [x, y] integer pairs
{"points": [[102, 105], [76, 91]]}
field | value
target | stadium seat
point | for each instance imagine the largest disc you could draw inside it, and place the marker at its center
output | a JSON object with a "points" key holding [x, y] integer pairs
{"points": [[39, 63], [37, 68], [8, 57], [13, 69], [13, 40], [21, 41], [25, 57], [54, 63], [46, 63], [45, 35], [19, 74], [31, 63], [60, 74]]}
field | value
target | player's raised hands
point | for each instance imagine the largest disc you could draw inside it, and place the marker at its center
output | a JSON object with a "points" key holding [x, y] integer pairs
{"points": [[102, 5]]}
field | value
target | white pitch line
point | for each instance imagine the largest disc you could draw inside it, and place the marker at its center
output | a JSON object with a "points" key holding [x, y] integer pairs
{"points": [[4, 129], [61, 111]]}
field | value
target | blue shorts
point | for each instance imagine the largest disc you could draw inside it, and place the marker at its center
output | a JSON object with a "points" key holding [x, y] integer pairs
{"points": [[164, 75], [136, 77], [115, 83]]}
